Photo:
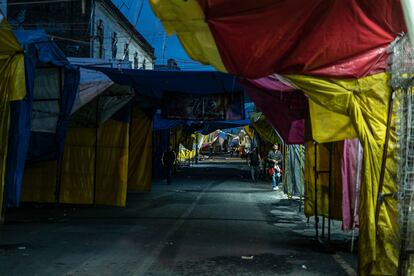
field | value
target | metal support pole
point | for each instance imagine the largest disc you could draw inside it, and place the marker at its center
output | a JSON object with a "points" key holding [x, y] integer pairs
{"points": [[286, 178], [315, 169], [197, 142], [59, 163], [323, 227], [356, 197], [384, 158], [96, 150], [330, 191], [300, 179]]}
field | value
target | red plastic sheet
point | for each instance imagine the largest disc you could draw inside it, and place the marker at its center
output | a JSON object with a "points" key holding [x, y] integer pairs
{"points": [[337, 38], [284, 110]]}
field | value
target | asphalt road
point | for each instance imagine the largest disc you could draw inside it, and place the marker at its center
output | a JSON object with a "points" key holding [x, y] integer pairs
{"points": [[211, 221]]}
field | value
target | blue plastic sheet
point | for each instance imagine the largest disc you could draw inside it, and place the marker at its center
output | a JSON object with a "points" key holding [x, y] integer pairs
{"points": [[35, 146], [294, 166]]}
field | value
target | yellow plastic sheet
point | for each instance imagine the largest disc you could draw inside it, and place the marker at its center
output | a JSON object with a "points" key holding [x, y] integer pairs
{"points": [[12, 87], [112, 166], [196, 37], [322, 164], [364, 102], [140, 152], [40, 183], [264, 129], [185, 155], [78, 171], [78, 168], [249, 131]]}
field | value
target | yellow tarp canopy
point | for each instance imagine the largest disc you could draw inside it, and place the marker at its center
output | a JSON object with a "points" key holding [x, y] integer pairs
{"points": [[362, 104], [12, 88], [196, 37], [264, 129], [322, 164], [140, 152], [77, 184]]}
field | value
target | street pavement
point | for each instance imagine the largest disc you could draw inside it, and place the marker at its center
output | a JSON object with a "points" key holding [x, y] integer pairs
{"points": [[211, 221]]}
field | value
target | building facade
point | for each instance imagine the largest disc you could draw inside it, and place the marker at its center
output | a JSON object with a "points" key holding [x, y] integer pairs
{"points": [[3, 8], [85, 28]]}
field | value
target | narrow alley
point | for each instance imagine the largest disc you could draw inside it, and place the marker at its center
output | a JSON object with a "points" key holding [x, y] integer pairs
{"points": [[212, 220]]}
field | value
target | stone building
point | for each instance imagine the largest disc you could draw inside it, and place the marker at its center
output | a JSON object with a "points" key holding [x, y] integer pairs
{"points": [[85, 28]]}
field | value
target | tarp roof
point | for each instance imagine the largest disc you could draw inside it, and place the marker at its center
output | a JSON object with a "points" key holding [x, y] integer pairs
{"points": [[149, 85]]}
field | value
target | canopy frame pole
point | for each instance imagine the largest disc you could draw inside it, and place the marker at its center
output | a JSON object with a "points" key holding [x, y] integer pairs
{"points": [[315, 169], [287, 160], [196, 153], [96, 150], [59, 164], [384, 160], [330, 191], [300, 178], [356, 197]]}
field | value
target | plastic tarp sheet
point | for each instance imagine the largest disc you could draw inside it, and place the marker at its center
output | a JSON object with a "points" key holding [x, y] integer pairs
{"points": [[264, 129], [294, 172], [351, 182], [39, 121], [103, 106], [12, 88], [321, 163], [94, 169], [350, 41], [92, 84], [195, 37], [140, 152], [364, 103], [40, 182], [149, 85], [284, 110], [185, 154]]}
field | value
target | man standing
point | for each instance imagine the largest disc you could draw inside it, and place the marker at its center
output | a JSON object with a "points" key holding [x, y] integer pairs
{"points": [[168, 160], [274, 159], [254, 158]]}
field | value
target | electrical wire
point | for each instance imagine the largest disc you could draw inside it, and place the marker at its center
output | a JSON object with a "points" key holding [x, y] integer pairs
{"points": [[40, 2]]}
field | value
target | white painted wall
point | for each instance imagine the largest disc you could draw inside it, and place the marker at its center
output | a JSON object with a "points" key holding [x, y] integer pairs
{"points": [[3, 7], [112, 25]]}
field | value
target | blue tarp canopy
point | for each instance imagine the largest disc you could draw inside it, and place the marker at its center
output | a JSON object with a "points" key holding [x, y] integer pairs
{"points": [[206, 127], [39, 121], [149, 85]]}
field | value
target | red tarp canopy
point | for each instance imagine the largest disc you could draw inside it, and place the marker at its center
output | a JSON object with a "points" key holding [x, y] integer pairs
{"points": [[286, 111], [338, 38]]}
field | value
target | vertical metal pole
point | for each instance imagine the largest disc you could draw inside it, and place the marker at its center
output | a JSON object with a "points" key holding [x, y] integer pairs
{"points": [[356, 197], [60, 154], [323, 227], [300, 178], [315, 169], [384, 158], [3, 210], [197, 142], [287, 170], [331, 145], [96, 150]]}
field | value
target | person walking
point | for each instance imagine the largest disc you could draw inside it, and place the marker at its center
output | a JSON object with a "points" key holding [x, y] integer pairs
{"points": [[168, 161], [254, 160], [274, 159]]}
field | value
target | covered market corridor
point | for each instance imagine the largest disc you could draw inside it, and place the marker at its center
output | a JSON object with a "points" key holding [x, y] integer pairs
{"points": [[212, 220], [83, 141]]}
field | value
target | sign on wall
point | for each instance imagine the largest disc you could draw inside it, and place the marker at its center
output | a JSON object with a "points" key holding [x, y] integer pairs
{"points": [[208, 107]]}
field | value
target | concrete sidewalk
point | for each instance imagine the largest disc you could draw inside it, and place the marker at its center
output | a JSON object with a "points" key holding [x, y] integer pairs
{"points": [[211, 221]]}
